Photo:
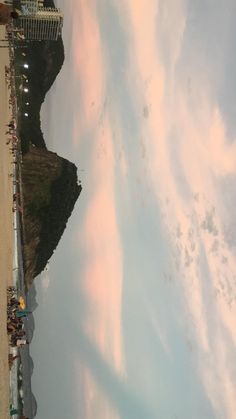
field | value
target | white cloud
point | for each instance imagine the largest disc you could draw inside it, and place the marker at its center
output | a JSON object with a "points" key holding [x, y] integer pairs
{"points": [[202, 157]]}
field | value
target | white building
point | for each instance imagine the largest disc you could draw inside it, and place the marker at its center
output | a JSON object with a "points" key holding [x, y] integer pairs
{"points": [[45, 23]]}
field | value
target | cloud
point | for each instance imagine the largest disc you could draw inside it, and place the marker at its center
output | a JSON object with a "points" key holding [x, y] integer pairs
{"points": [[187, 152], [102, 277], [202, 157], [45, 280], [149, 129], [89, 70], [128, 404]]}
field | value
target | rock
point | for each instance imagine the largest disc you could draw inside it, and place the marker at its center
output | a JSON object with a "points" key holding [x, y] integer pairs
{"points": [[50, 190]]}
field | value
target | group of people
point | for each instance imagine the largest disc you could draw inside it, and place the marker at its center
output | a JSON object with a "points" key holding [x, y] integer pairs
{"points": [[9, 77], [16, 312], [12, 139], [15, 316], [10, 81]]}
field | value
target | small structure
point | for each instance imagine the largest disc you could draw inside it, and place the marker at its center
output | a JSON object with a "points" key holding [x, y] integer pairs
{"points": [[31, 5]]}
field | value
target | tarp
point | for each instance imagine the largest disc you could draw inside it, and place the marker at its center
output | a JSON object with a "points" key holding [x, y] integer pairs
{"points": [[22, 303]]}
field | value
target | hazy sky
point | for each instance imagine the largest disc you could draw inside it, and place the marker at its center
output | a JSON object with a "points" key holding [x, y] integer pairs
{"points": [[136, 315]]}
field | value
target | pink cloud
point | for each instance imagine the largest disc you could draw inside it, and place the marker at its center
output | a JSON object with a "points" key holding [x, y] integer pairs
{"points": [[99, 241], [89, 68], [102, 276]]}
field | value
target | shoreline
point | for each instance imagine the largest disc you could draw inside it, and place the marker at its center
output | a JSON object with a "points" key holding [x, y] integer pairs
{"points": [[6, 231]]}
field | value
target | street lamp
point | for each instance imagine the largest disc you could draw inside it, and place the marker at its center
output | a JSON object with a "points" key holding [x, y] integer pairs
{"points": [[26, 65]]}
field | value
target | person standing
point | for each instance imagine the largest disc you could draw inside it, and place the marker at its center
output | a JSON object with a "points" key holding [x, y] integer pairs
{"points": [[14, 411], [21, 342], [23, 313]]}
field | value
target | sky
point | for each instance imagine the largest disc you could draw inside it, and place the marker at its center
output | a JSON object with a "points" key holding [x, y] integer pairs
{"points": [[136, 315]]}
